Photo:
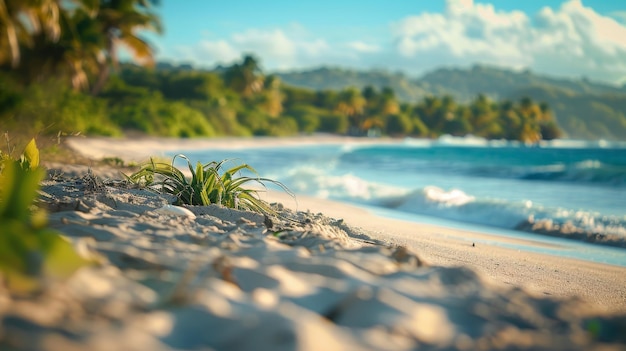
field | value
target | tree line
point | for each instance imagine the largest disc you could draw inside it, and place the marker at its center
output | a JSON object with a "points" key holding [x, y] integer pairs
{"points": [[60, 71]]}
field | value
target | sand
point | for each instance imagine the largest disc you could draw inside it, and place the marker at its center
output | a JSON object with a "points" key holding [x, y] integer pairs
{"points": [[334, 277], [540, 274], [604, 285]]}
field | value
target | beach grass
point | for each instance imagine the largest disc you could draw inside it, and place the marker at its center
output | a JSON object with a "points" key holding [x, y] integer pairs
{"points": [[210, 183]]}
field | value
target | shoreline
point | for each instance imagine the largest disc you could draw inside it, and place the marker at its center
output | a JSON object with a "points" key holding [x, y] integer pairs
{"points": [[141, 148], [541, 274], [328, 276], [548, 225], [538, 273]]}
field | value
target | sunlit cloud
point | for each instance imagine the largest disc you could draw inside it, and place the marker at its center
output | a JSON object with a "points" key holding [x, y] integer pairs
{"points": [[216, 51], [275, 48], [360, 46], [573, 40], [570, 40]]}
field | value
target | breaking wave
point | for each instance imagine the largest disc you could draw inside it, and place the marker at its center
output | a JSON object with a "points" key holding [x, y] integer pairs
{"points": [[456, 205]]}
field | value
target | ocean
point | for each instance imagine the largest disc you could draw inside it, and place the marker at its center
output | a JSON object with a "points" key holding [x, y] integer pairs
{"points": [[563, 188]]}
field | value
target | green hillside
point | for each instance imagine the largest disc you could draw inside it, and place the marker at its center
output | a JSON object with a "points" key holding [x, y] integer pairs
{"points": [[326, 78], [240, 100], [582, 108], [583, 116], [500, 83]]}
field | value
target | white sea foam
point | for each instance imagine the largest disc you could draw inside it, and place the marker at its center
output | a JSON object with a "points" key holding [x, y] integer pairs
{"points": [[468, 179], [468, 140], [451, 198], [581, 144], [457, 205], [417, 142], [315, 181]]}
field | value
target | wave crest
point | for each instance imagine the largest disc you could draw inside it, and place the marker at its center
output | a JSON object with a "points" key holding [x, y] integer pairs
{"points": [[455, 204]]}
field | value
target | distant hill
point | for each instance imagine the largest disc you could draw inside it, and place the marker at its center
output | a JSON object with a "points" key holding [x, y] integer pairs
{"points": [[583, 109], [338, 78], [465, 84], [583, 115]]}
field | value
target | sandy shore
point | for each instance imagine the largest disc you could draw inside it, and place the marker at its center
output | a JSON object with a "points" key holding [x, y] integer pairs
{"points": [[538, 273], [325, 277], [139, 149]]}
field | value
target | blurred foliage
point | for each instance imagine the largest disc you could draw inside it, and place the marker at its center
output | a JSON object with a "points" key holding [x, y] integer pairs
{"points": [[192, 103], [585, 115], [75, 40], [571, 100], [61, 73], [52, 107], [337, 79], [30, 253]]}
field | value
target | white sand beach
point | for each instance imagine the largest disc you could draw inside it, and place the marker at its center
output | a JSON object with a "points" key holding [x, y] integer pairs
{"points": [[541, 274], [325, 277]]}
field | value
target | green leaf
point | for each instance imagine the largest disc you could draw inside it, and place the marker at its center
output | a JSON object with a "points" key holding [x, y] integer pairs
{"points": [[13, 246], [31, 154], [27, 255], [61, 260], [19, 189], [28, 250]]}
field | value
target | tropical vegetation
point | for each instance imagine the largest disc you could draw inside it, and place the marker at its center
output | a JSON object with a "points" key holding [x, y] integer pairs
{"points": [[60, 71], [583, 109], [239, 100]]}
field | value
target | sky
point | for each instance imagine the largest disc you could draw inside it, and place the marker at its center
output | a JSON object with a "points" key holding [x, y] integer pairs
{"points": [[563, 38]]}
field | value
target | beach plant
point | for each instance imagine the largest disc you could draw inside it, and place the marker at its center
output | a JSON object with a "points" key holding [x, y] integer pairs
{"points": [[30, 252], [209, 183]]}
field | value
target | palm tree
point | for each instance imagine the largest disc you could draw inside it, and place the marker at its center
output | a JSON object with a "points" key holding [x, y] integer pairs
{"points": [[389, 105], [245, 78], [84, 42], [12, 30], [76, 54], [119, 21], [271, 99], [427, 110], [369, 93], [484, 115], [20, 20], [352, 104], [75, 38]]}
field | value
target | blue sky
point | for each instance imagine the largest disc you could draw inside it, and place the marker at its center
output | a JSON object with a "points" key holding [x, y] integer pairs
{"points": [[571, 38]]}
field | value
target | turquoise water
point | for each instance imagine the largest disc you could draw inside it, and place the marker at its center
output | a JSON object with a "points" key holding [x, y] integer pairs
{"points": [[563, 185]]}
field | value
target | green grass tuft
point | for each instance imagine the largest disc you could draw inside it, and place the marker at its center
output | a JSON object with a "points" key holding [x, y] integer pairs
{"points": [[210, 183]]}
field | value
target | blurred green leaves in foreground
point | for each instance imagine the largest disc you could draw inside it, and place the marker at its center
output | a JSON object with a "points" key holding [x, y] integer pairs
{"points": [[30, 252]]}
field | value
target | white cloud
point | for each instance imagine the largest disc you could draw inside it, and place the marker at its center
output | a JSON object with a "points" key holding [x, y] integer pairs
{"points": [[218, 51], [465, 33], [360, 46], [315, 48], [275, 48], [573, 40], [570, 40], [274, 42]]}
